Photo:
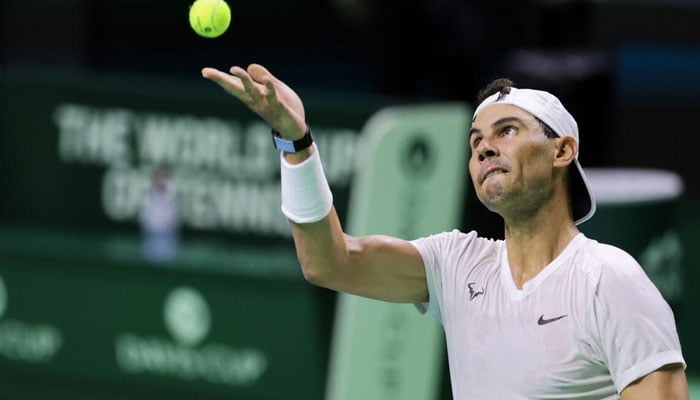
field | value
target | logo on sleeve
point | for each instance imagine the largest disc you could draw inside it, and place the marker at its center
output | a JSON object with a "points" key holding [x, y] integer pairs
{"points": [[472, 292], [543, 321]]}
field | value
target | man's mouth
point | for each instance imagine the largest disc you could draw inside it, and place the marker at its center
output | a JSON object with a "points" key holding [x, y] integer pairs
{"points": [[491, 172]]}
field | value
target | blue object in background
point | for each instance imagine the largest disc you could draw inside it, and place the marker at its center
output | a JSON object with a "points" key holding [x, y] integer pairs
{"points": [[657, 72]]}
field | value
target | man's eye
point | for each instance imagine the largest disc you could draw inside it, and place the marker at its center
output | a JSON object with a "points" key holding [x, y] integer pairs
{"points": [[509, 130]]}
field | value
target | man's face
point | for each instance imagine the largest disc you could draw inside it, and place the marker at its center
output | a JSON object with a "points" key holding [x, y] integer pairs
{"points": [[511, 162]]}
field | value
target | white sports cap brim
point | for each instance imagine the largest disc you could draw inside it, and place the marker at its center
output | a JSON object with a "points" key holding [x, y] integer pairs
{"points": [[548, 109]]}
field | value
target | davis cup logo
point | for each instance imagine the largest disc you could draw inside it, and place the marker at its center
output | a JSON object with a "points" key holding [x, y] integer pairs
{"points": [[26, 342], [187, 354], [187, 316]]}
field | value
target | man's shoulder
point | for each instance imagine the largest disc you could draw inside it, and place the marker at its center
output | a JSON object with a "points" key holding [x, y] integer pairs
{"points": [[598, 259], [606, 254], [457, 248], [456, 238]]}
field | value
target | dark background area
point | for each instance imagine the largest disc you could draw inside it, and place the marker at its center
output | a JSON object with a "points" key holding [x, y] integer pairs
{"points": [[628, 71]]}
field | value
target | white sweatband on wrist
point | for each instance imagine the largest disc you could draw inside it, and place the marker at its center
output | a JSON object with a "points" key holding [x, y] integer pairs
{"points": [[306, 196]]}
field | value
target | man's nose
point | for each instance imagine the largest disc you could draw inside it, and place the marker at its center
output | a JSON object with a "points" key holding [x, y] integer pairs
{"points": [[486, 149]]}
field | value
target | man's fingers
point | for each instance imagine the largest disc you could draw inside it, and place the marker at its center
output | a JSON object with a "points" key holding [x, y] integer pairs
{"points": [[250, 86], [264, 94], [209, 72], [271, 91], [216, 75], [229, 83], [262, 75], [259, 73]]}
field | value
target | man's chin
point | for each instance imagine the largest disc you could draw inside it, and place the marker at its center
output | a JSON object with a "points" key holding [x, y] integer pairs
{"points": [[490, 201]]}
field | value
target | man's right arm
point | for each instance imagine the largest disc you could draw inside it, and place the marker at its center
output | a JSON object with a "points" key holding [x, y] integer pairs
{"points": [[376, 266]]}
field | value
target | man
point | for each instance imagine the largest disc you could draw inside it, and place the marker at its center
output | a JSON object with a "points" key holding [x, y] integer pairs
{"points": [[545, 313]]}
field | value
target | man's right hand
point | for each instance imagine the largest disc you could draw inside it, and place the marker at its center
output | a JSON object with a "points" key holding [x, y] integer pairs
{"points": [[266, 95]]}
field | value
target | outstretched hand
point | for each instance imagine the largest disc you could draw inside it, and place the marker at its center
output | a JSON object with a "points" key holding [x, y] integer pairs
{"points": [[266, 95]]}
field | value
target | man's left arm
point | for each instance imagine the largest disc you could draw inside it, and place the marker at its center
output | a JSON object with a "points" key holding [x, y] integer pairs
{"points": [[666, 383]]}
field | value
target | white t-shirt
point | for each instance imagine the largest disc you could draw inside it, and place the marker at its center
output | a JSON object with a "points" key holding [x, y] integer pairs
{"points": [[585, 327]]}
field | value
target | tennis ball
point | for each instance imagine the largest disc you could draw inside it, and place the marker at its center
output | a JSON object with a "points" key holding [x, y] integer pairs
{"points": [[210, 18]]}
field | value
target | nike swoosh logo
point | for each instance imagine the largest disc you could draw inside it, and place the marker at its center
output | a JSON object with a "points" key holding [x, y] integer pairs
{"points": [[543, 321]]}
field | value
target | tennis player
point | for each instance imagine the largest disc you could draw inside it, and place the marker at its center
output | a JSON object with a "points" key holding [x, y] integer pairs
{"points": [[545, 313]]}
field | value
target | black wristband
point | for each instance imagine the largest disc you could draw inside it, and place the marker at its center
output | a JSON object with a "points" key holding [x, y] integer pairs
{"points": [[289, 146]]}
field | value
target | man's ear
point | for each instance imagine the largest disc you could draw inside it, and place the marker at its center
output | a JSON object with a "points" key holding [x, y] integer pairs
{"points": [[565, 151]]}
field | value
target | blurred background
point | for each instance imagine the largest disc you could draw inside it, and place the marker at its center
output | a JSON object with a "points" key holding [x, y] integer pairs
{"points": [[142, 251]]}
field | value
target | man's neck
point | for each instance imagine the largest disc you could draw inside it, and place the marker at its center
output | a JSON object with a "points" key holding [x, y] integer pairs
{"points": [[533, 244]]}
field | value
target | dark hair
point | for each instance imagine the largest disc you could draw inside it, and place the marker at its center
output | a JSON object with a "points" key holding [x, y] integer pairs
{"points": [[503, 86], [549, 132]]}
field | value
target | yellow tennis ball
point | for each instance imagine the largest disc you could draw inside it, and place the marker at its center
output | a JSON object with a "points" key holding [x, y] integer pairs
{"points": [[210, 18]]}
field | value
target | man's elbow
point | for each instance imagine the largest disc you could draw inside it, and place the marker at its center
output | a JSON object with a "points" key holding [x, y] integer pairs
{"points": [[316, 275], [312, 275]]}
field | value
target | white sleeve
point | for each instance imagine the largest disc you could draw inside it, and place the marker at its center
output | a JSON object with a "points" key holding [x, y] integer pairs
{"points": [[440, 258], [636, 331], [430, 248]]}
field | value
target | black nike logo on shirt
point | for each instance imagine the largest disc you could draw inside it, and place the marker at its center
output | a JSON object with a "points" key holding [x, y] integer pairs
{"points": [[543, 321]]}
